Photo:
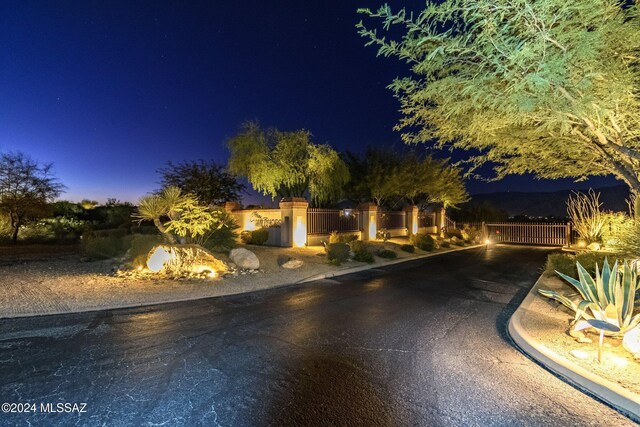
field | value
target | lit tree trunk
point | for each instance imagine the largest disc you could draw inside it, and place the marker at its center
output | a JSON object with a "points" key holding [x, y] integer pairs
{"points": [[15, 225], [163, 230]]}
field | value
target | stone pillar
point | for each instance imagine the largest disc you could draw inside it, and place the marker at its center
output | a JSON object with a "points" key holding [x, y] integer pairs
{"points": [[368, 220], [411, 219], [293, 230]]}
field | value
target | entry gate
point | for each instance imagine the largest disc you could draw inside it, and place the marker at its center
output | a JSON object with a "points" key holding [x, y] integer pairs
{"points": [[551, 234]]}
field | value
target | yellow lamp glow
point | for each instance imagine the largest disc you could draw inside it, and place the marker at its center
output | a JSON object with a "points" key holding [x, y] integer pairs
{"points": [[487, 242], [299, 233], [158, 259], [372, 227], [414, 227]]}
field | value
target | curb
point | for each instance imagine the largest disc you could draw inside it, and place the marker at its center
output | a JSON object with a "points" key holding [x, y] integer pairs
{"points": [[613, 394], [382, 264]]}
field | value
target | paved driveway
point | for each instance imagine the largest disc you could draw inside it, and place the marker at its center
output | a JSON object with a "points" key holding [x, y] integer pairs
{"points": [[420, 343]]}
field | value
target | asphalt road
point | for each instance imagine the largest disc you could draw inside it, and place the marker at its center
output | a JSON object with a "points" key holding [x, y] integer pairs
{"points": [[419, 343]]}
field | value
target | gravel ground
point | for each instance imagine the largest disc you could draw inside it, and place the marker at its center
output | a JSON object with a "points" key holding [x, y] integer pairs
{"points": [[62, 283], [548, 322]]}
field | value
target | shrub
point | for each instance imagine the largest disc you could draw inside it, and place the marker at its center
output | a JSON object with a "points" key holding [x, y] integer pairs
{"points": [[387, 253], [360, 251], [587, 218], [141, 244], [255, 237], [453, 232], [408, 248], [383, 234], [337, 253], [423, 241], [106, 247], [445, 244], [563, 263], [336, 237], [223, 238], [590, 259]]}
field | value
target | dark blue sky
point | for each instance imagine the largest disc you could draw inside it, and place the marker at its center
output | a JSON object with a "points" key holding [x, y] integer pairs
{"points": [[110, 90]]}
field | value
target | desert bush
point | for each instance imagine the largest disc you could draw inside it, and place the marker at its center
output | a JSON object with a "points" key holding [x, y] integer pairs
{"points": [[453, 232], [585, 213], [387, 253], [423, 241], [336, 237], [141, 244], [255, 237], [360, 251], [223, 238], [106, 247], [474, 235], [590, 259], [108, 233], [383, 234], [445, 244], [408, 248], [563, 263], [337, 253]]}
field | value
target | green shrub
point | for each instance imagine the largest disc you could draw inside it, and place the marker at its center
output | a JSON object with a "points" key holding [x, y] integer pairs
{"points": [[336, 237], [564, 263], [387, 253], [255, 237], [337, 253], [408, 248], [423, 241], [360, 251], [106, 247], [453, 232], [223, 239], [383, 234], [445, 244], [141, 244], [245, 236], [107, 233], [590, 259]]}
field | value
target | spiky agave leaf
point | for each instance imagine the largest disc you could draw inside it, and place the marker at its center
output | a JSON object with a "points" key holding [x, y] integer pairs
{"points": [[150, 208]]}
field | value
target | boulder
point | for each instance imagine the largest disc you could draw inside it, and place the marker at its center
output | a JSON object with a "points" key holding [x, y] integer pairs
{"points": [[293, 264], [594, 247], [184, 259], [244, 258]]}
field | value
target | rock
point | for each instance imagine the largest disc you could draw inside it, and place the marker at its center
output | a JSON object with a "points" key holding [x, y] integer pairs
{"points": [[184, 259], [579, 354], [293, 264], [244, 258], [594, 247]]}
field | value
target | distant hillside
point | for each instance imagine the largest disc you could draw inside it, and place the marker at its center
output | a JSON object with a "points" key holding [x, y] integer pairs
{"points": [[550, 203]]}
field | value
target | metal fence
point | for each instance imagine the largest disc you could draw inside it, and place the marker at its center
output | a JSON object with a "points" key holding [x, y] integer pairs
{"points": [[325, 221], [426, 219], [552, 234], [391, 220]]}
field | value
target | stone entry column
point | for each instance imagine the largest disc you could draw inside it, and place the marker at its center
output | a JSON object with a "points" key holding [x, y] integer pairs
{"points": [[411, 218], [368, 220], [293, 230]]}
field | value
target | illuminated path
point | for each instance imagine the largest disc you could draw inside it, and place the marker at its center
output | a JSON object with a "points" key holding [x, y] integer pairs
{"points": [[419, 343]]}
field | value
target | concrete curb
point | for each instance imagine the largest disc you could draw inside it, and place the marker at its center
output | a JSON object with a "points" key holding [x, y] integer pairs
{"points": [[381, 264], [613, 394]]}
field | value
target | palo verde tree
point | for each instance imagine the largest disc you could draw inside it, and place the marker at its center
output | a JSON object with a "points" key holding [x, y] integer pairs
{"points": [[26, 189], [549, 87], [287, 164], [211, 183]]}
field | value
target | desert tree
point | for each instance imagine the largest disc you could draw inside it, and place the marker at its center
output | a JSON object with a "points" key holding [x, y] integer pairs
{"points": [[287, 164], [210, 182], [26, 189], [547, 87]]}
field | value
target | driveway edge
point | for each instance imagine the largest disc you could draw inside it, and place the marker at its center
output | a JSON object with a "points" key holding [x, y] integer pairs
{"points": [[381, 264], [613, 394]]}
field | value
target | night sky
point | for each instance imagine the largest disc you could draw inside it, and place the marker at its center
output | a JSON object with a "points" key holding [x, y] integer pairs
{"points": [[110, 90]]}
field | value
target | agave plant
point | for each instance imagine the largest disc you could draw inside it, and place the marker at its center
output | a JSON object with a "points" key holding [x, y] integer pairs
{"points": [[608, 297]]}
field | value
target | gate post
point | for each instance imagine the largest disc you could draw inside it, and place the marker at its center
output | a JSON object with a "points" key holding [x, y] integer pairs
{"points": [[567, 235], [293, 230], [411, 219], [368, 220]]}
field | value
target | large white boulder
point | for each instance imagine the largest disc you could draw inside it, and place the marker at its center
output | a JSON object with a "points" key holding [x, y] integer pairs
{"points": [[244, 258]]}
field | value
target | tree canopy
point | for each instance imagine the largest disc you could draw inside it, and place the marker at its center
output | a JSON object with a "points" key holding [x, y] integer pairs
{"points": [[549, 87], [287, 164], [211, 183], [388, 177], [26, 187]]}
